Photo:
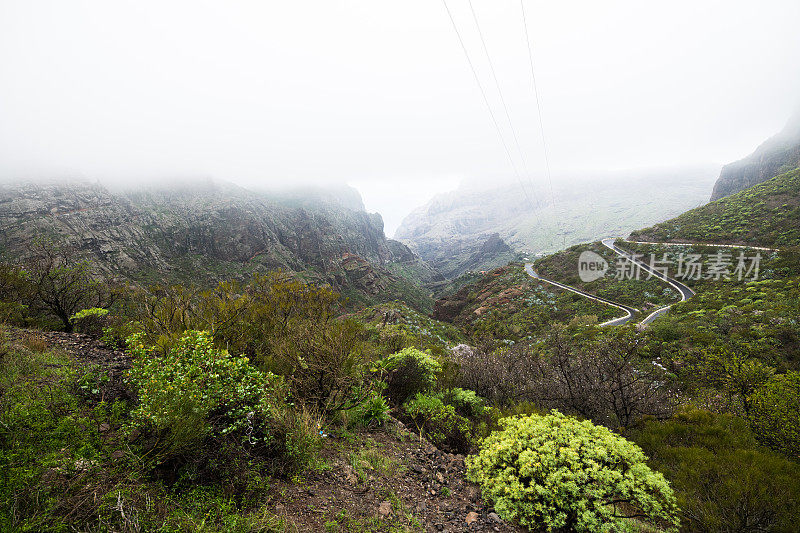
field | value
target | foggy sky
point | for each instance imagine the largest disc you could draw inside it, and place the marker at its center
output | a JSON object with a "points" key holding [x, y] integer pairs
{"points": [[379, 94]]}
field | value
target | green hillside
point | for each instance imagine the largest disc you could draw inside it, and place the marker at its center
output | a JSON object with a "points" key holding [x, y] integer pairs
{"points": [[644, 294], [765, 215], [506, 304]]}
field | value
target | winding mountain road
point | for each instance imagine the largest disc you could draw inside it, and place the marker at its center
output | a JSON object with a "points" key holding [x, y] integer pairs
{"points": [[630, 312], [685, 291], [735, 246]]}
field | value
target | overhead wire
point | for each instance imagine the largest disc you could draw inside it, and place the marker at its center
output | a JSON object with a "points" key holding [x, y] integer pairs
{"points": [[538, 103], [503, 101], [486, 101]]}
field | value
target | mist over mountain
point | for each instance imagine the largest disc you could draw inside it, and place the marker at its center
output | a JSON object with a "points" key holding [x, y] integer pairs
{"points": [[463, 229], [774, 156], [206, 230], [419, 266]]}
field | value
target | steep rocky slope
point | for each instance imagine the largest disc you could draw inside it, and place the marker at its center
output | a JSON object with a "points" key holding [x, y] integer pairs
{"points": [[208, 231], [775, 156]]}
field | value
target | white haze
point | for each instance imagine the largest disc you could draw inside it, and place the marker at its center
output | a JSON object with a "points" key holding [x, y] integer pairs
{"points": [[378, 93]]}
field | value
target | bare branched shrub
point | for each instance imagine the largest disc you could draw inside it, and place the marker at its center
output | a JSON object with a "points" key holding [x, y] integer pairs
{"points": [[504, 376], [606, 379]]}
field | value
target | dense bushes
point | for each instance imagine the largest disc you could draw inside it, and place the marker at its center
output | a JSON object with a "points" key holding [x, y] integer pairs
{"points": [[15, 294], [283, 325], [90, 321], [440, 423], [452, 418], [723, 480], [775, 413], [604, 376], [558, 472], [326, 366], [257, 319], [465, 402], [194, 382], [756, 320]]}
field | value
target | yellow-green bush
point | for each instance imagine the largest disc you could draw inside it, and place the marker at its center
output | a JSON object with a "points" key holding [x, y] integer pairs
{"points": [[410, 371], [90, 321], [557, 472]]}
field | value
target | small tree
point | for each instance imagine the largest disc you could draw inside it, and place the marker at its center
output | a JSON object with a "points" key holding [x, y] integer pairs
{"points": [[327, 367], [562, 473], [734, 373], [62, 284]]}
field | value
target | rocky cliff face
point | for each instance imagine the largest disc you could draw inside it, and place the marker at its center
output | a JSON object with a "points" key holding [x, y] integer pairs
{"points": [[458, 254], [777, 155], [208, 231]]}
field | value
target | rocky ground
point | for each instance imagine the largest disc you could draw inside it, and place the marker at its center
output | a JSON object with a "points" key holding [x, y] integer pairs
{"points": [[389, 475]]}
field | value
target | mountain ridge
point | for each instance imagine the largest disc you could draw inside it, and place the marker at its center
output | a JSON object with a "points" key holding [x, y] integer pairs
{"points": [[776, 155], [168, 232]]}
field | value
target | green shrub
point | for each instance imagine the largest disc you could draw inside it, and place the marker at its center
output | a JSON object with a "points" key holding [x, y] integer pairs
{"points": [[411, 371], [116, 334], [775, 413], [89, 321], [195, 390], [394, 337], [466, 402], [723, 480], [327, 365], [374, 411], [440, 423], [558, 472], [15, 294]]}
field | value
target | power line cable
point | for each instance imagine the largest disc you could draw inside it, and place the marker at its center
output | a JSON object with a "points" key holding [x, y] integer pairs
{"points": [[538, 104], [486, 101], [503, 101]]}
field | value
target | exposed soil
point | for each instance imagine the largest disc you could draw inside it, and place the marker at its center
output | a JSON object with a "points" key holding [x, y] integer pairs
{"points": [[429, 486]]}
